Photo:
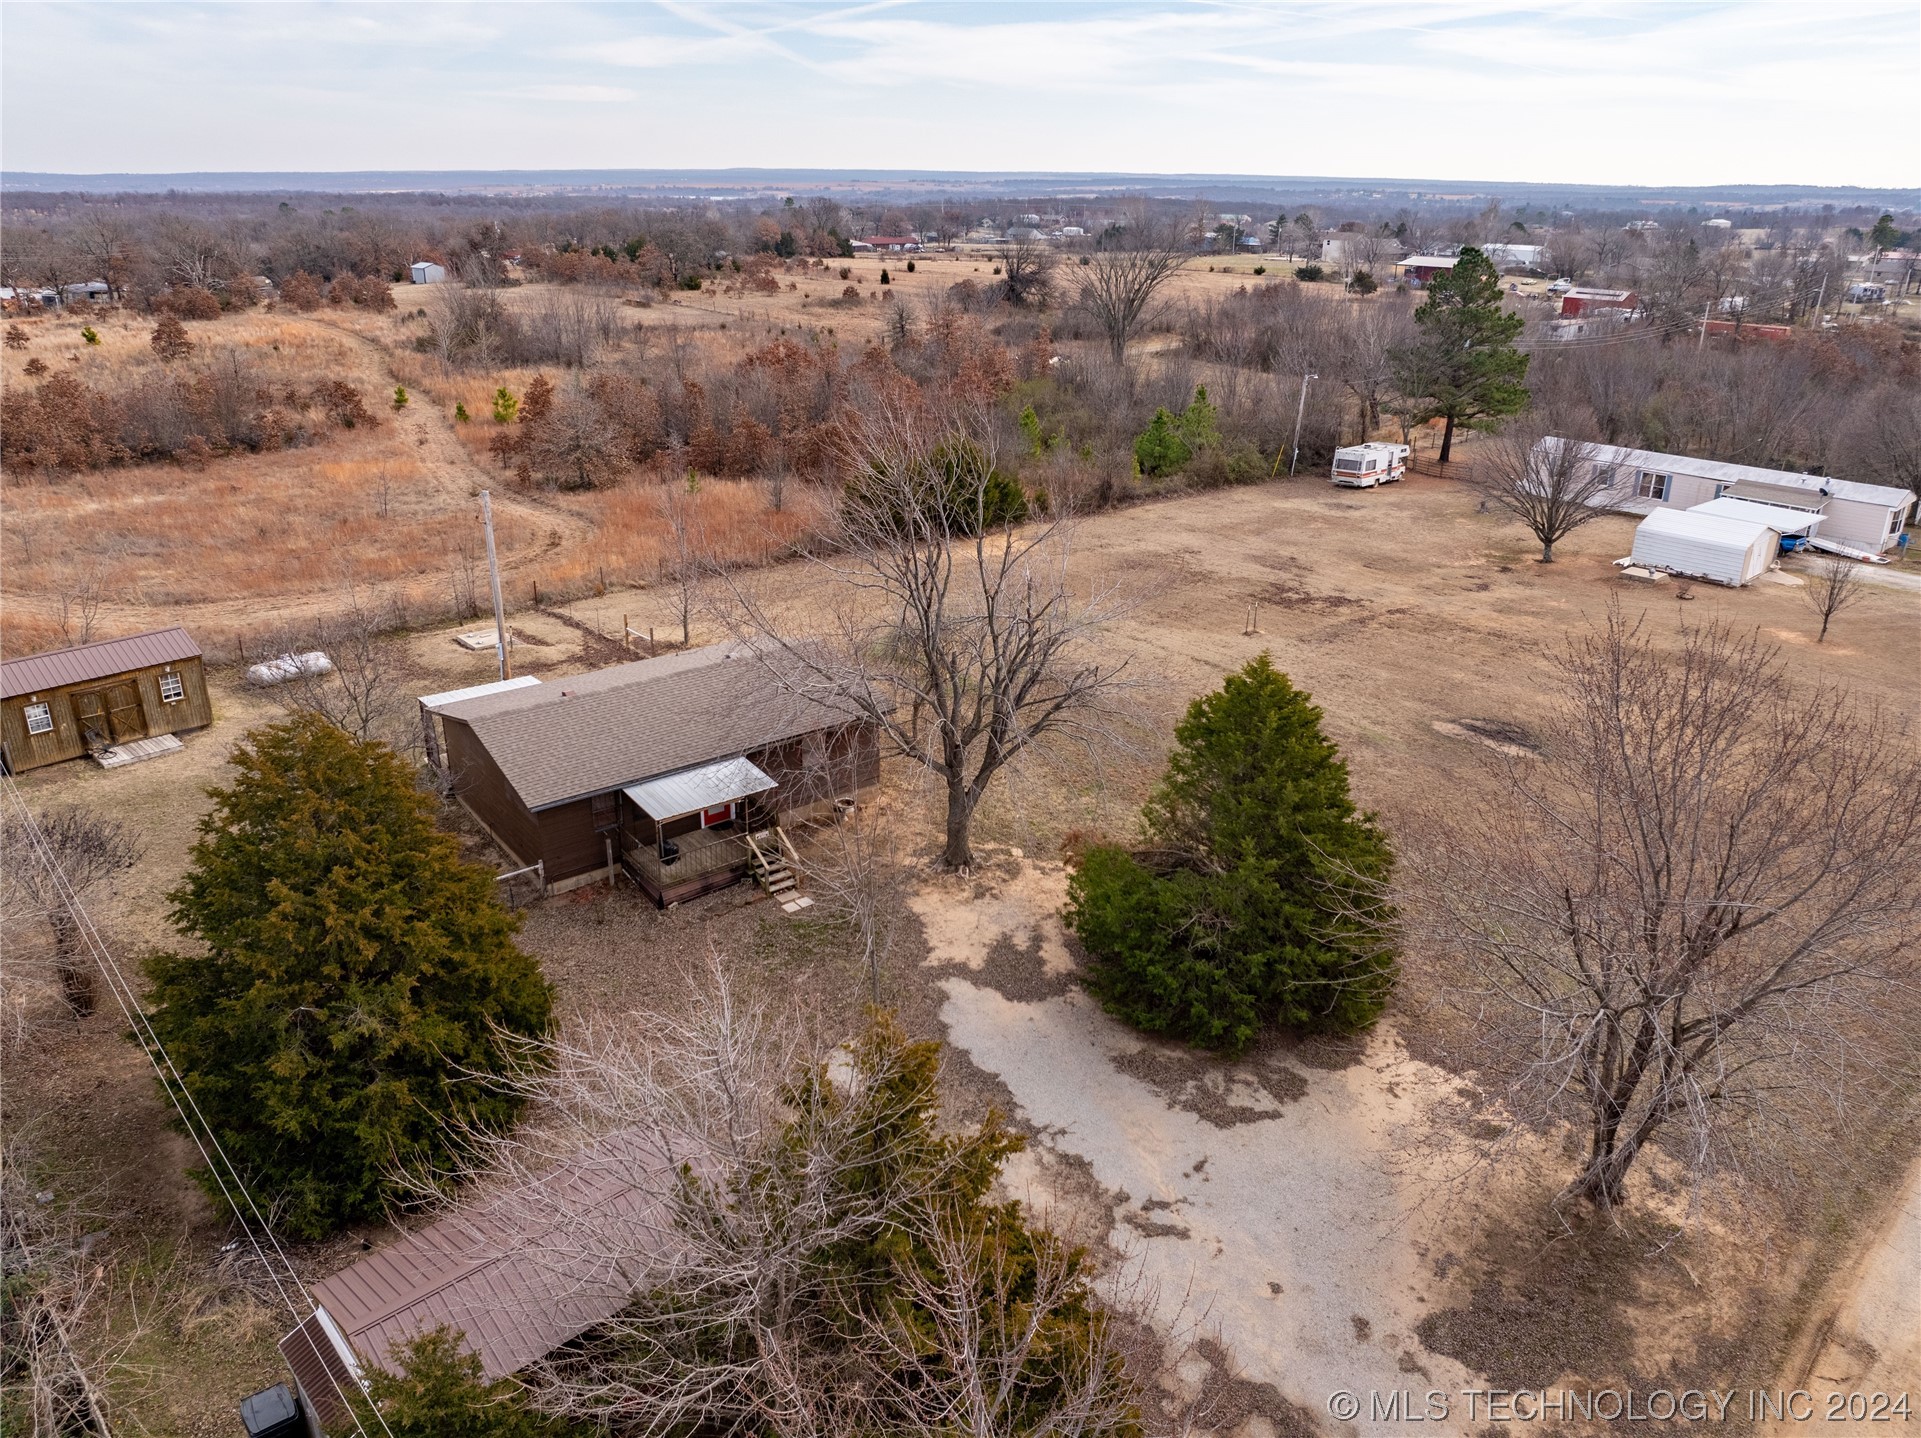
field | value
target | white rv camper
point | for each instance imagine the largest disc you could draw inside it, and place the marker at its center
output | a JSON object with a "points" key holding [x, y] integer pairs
{"points": [[1715, 547], [1362, 466]]}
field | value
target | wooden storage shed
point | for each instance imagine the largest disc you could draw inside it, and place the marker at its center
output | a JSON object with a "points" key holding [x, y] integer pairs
{"points": [[73, 702], [671, 768]]}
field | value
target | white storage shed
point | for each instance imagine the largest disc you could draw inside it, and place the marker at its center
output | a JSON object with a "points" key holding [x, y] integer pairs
{"points": [[426, 272], [1714, 547]]}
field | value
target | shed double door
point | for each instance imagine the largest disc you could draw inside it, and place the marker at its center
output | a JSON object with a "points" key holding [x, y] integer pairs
{"points": [[109, 716]]}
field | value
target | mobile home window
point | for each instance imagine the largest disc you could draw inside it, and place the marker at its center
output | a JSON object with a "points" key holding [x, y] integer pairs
{"points": [[1652, 486], [39, 718], [172, 691]]}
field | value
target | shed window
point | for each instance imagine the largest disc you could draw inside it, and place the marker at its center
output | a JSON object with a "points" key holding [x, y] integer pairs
{"points": [[39, 718], [172, 691], [1649, 485], [605, 816]]}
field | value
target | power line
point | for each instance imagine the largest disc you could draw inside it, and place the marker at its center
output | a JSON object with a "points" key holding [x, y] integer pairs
{"points": [[198, 1128]]}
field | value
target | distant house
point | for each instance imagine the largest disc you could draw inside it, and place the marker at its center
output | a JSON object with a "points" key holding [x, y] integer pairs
{"points": [[662, 768], [894, 243], [1419, 269], [1580, 301], [426, 272], [1867, 517], [72, 702], [1866, 293], [93, 292], [1516, 257]]}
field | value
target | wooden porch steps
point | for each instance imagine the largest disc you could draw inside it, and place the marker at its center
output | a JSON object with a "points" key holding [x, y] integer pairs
{"points": [[775, 865]]}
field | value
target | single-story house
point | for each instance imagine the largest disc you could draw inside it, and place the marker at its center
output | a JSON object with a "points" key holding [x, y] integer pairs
{"points": [[1419, 269], [895, 243], [667, 768], [511, 1273], [1580, 301], [1516, 257], [1869, 517], [96, 292], [71, 702], [426, 272]]}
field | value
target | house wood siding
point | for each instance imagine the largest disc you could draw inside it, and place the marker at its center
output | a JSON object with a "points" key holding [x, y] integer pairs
{"points": [[479, 784], [148, 713], [568, 843]]}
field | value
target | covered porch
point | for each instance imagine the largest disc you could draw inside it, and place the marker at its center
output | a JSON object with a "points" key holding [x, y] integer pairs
{"points": [[688, 833]]}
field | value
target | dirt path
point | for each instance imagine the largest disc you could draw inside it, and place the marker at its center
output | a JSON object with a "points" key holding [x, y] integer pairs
{"points": [[430, 437], [1277, 1194], [1867, 1340]]}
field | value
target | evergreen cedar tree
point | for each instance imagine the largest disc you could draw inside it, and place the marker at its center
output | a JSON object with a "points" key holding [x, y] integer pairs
{"points": [[1170, 440], [1258, 897], [1463, 366], [355, 972], [888, 1107], [439, 1392]]}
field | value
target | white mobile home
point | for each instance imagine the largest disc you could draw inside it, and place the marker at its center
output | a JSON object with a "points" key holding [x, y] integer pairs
{"points": [[1864, 516], [1705, 546]]}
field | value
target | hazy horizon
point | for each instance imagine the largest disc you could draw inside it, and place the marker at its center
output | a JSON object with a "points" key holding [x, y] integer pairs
{"points": [[1679, 93]]}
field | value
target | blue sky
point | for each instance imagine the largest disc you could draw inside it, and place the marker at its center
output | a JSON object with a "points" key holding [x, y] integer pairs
{"points": [[1664, 92]]}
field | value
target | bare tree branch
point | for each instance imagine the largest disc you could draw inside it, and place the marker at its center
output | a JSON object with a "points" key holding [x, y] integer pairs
{"points": [[1697, 905]]}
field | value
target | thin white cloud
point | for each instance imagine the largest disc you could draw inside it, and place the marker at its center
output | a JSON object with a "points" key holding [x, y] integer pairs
{"points": [[574, 94]]}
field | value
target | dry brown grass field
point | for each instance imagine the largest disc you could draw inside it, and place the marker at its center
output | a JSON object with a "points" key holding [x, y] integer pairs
{"points": [[1407, 612], [1399, 609]]}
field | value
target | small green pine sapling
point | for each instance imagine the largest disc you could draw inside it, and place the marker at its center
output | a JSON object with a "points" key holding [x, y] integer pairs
{"points": [[506, 407], [886, 278], [460, 413], [400, 396], [90, 335]]}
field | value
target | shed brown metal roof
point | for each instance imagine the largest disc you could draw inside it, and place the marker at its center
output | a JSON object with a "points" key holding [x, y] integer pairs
{"points": [[100, 660], [519, 1274], [568, 738]]}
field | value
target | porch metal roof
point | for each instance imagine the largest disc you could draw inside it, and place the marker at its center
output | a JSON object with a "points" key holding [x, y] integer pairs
{"points": [[691, 790]]}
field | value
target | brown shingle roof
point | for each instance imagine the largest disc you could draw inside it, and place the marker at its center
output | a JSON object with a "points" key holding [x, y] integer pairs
{"points": [[100, 660], [518, 1274], [568, 738]]}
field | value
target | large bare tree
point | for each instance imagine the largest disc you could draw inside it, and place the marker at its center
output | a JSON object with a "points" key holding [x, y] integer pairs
{"points": [[1699, 904], [1551, 483], [801, 1256], [1124, 276], [1028, 263], [952, 628]]}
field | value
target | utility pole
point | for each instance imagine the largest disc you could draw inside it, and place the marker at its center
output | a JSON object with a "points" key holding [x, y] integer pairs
{"points": [[493, 573], [1706, 310], [1819, 299], [1299, 411]]}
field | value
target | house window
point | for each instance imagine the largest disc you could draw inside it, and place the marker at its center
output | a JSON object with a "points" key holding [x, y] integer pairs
{"points": [[1649, 485], [172, 691], [605, 816], [39, 718]]}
